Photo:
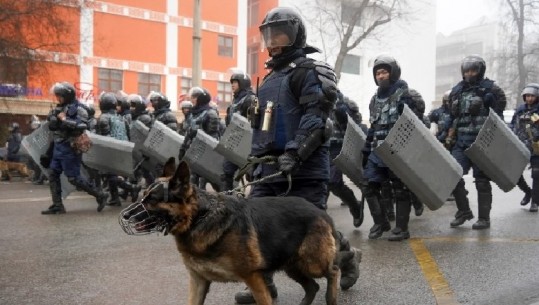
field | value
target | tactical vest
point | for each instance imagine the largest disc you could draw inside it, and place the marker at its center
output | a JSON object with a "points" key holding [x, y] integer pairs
{"points": [[118, 128], [470, 122], [72, 113], [286, 112], [385, 113], [523, 122]]}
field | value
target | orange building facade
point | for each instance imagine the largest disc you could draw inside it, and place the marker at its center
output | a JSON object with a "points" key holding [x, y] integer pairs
{"points": [[139, 46]]}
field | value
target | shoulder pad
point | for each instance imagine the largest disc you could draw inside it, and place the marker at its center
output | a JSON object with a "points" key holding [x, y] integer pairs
{"points": [[486, 83], [327, 78]]}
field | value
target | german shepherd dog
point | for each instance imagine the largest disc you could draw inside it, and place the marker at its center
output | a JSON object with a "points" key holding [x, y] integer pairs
{"points": [[227, 238], [6, 167]]}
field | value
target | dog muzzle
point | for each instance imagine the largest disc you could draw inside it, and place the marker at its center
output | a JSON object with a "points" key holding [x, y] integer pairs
{"points": [[135, 220]]}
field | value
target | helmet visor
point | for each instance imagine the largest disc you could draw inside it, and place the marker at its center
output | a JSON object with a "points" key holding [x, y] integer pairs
{"points": [[471, 66], [279, 34]]}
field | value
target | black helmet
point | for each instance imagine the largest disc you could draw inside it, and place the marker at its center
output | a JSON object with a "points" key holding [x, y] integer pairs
{"points": [[65, 90], [531, 89], [158, 100], [284, 20], [107, 101], [473, 62], [243, 80], [186, 105], [136, 101], [121, 97], [389, 63], [202, 95]]}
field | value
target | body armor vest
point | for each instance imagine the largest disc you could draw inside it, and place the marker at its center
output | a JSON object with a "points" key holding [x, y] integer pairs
{"points": [[524, 125], [385, 113], [469, 121], [285, 113]]}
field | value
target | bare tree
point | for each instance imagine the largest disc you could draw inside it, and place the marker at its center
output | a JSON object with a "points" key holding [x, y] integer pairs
{"points": [[519, 57], [30, 27], [348, 23]]}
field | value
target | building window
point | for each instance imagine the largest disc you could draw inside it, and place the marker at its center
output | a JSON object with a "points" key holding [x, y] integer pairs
{"points": [[186, 84], [110, 80], [224, 94], [350, 64], [252, 13], [148, 82], [252, 59], [226, 46]]}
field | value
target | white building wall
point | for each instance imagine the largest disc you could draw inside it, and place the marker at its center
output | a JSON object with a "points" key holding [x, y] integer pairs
{"points": [[411, 42]]}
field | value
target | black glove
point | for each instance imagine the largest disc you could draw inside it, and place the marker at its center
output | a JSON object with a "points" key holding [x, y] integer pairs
{"points": [[365, 159], [449, 143], [288, 162], [181, 154], [45, 160]]}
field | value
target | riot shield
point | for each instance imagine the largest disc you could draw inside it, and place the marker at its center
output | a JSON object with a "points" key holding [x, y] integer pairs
{"points": [[417, 158], [499, 153], [37, 143], [138, 132], [203, 159], [235, 144], [349, 160], [109, 155], [162, 143]]}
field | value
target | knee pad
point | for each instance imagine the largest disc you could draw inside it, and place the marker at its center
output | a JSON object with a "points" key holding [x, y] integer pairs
{"points": [[401, 192], [483, 186]]}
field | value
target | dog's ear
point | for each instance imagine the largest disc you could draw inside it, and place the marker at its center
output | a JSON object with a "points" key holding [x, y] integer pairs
{"points": [[182, 176], [169, 168]]}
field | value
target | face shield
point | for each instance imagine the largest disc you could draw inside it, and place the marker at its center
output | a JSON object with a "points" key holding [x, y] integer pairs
{"points": [[279, 34], [471, 66]]}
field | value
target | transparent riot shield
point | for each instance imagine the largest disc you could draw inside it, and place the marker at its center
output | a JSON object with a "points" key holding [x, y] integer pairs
{"points": [[162, 143], [420, 160], [349, 160], [499, 153], [109, 155], [235, 144], [203, 159], [37, 143]]}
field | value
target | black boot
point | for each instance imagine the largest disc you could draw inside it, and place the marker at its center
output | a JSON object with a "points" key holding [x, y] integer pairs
{"points": [[533, 207], [57, 206], [100, 196], [349, 198], [387, 200], [526, 189], [461, 199], [527, 198], [484, 202], [381, 223], [418, 205], [403, 217], [133, 189], [246, 296]]}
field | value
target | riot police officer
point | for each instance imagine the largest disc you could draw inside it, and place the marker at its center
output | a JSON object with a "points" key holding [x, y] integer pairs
{"points": [[186, 107], [525, 124], [139, 111], [162, 112], [441, 116], [243, 98], [203, 117], [68, 120], [471, 100], [343, 108], [385, 107], [112, 124], [123, 107], [289, 123]]}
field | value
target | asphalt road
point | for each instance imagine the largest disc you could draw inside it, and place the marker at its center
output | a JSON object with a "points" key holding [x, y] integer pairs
{"points": [[83, 257]]}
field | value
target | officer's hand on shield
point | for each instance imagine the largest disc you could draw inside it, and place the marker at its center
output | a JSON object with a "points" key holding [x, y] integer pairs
{"points": [[449, 142], [288, 162]]}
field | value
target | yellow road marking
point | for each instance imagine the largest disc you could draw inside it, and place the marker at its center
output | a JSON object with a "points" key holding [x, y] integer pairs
{"points": [[440, 288], [480, 239]]}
